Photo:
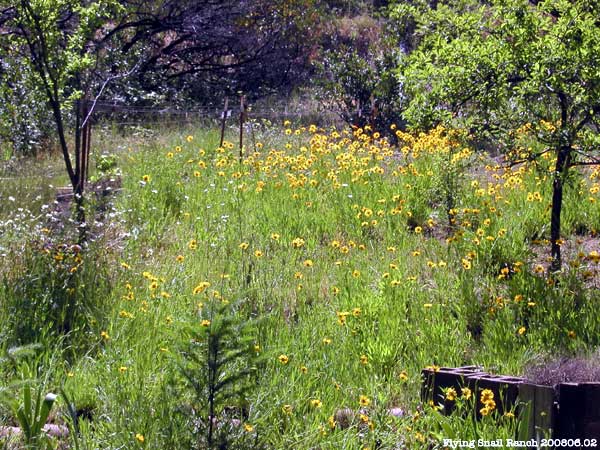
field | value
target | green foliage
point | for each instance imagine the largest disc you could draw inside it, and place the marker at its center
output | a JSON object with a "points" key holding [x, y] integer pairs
{"points": [[463, 422], [107, 164], [341, 242], [61, 46], [62, 291], [32, 411], [499, 66], [511, 60], [218, 366], [72, 418], [505, 69], [32, 414], [59, 52], [357, 70], [23, 128]]}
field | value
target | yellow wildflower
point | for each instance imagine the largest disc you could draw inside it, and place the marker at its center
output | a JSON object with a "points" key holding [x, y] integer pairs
{"points": [[486, 396], [451, 394], [331, 422], [201, 287], [466, 393]]}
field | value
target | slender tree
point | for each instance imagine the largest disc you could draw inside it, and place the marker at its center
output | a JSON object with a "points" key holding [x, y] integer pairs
{"points": [[497, 66], [75, 49], [61, 43]]}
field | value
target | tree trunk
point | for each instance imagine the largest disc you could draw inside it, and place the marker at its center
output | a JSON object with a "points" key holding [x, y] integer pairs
{"points": [[80, 215], [58, 120], [562, 165]]}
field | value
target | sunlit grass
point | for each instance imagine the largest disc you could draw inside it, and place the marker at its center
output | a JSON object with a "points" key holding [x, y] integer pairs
{"points": [[362, 261]]}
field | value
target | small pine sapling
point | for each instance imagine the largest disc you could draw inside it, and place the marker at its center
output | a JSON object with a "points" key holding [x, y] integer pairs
{"points": [[218, 362]]}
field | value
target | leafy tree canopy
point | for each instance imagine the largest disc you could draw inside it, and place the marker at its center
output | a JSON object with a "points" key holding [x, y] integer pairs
{"points": [[70, 50], [496, 66], [60, 42]]}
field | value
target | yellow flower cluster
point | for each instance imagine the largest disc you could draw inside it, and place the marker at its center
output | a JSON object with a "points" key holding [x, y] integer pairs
{"points": [[487, 400]]}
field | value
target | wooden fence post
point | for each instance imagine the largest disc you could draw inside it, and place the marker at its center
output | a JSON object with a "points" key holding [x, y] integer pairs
{"points": [[84, 148], [242, 117], [89, 144], [223, 120]]}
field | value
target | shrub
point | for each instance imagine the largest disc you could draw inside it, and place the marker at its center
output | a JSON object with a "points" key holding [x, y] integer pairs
{"points": [[55, 290]]}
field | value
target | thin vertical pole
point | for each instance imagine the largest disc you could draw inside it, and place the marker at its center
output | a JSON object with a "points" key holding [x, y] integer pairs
{"points": [[84, 145], [242, 110], [78, 114], [223, 120], [87, 150], [373, 114], [253, 136]]}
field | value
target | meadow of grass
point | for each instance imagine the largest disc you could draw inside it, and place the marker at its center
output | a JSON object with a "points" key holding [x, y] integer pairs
{"points": [[301, 288]]}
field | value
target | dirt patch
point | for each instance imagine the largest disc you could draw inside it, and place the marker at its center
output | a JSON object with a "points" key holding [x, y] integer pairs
{"points": [[580, 254], [99, 196]]}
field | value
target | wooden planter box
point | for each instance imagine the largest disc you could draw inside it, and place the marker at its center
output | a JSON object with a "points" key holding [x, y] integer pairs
{"points": [[540, 408], [579, 411], [565, 411], [433, 382]]}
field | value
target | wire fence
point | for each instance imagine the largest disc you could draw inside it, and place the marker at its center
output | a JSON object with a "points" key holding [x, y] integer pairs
{"points": [[128, 115], [246, 118]]}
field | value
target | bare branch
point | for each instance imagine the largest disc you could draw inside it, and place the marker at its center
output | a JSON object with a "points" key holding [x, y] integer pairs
{"points": [[104, 84], [530, 158]]}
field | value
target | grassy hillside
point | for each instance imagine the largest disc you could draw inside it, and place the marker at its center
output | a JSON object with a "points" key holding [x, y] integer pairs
{"points": [[316, 277]]}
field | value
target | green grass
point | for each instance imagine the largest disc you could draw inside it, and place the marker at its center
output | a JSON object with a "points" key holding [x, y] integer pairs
{"points": [[337, 250]]}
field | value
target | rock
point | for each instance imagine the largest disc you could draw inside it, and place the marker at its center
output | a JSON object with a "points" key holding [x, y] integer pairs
{"points": [[396, 412], [9, 431], [59, 431]]}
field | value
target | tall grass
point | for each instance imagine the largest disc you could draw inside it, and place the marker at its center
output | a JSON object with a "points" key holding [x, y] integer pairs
{"points": [[365, 261]]}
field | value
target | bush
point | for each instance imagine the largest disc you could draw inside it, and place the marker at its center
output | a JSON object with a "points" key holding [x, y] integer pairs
{"points": [[55, 290], [358, 70], [23, 129]]}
